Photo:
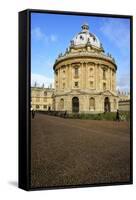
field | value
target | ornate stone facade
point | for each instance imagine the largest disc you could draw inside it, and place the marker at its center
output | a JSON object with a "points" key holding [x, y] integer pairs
{"points": [[85, 77]]}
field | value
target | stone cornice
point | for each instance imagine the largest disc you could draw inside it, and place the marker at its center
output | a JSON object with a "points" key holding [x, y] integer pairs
{"points": [[81, 92], [84, 54]]}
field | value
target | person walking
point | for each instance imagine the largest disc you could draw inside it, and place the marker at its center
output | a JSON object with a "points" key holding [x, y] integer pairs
{"points": [[33, 113], [65, 114], [117, 116]]}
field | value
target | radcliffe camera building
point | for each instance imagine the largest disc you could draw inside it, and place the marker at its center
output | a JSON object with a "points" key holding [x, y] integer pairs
{"points": [[84, 77]]}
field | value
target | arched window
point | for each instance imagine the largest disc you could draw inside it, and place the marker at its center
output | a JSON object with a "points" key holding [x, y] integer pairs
{"points": [[107, 104], [75, 104], [61, 104], [92, 103]]}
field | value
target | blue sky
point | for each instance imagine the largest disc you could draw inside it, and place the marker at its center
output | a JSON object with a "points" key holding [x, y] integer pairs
{"points": [[51, 35]]}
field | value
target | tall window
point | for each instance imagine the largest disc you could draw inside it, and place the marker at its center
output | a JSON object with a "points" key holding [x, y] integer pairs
{"points": [[61, 104], [56, 74], [63, 74], [45, 106], [91, 71], [91, 84], [104, 74], [63, 85], [92, 103], [104, 86]]}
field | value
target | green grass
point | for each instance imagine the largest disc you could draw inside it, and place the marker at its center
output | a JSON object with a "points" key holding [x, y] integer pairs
{"points": [[101, 116]]}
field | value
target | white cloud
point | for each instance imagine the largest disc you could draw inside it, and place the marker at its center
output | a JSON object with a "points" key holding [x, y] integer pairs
{"points": [[117, 32], [53, 38], [123, 82], [38, 34], [41, 79]]}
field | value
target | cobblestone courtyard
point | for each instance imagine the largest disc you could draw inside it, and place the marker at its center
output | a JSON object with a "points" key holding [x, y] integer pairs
{"points": [[74, 152]]}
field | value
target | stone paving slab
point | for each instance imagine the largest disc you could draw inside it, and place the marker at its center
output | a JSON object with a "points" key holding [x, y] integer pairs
{"points": [[73, 151]]}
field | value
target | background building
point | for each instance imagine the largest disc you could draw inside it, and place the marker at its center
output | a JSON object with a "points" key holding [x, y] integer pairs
{"points": [[85, 77], [124, 101], [42, 98]]}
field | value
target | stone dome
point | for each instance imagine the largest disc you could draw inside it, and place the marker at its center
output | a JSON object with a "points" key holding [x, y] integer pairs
{"points": [[85, 37]]}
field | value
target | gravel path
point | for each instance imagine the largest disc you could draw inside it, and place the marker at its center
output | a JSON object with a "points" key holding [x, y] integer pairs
{"points": [[74, 151]]}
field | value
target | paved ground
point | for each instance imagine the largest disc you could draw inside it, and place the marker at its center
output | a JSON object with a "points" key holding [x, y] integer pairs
{"points": [[74, 151]]}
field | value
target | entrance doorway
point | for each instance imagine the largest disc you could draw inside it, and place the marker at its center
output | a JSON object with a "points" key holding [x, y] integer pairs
{"points": [[75, 105], [106, 104]]}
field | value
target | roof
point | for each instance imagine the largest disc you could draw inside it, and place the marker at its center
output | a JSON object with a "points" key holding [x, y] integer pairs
{"points": [[85, 37]]}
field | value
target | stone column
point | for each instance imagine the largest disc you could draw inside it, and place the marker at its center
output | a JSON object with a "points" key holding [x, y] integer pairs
{"points": [[95, 77], [110, 79], [86, 72], [84, 75], [81, 75], [67, 76], [58, 79], [70, 77], [98, 77], [55, 79], [115, 81]]}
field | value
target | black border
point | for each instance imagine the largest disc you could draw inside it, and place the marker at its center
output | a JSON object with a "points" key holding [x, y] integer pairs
{"points": [[24, 178]]}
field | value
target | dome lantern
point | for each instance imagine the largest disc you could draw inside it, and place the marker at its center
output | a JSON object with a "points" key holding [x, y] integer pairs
{"points": [[85, 27]]}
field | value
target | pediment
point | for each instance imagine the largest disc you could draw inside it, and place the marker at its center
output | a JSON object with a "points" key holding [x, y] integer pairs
{"points": [[81, 92], [108, 93]]}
